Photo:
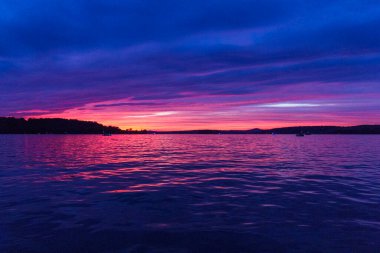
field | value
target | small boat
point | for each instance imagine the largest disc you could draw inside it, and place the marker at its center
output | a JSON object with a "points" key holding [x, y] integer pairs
{"points": [[300, 135], [106, 134]]}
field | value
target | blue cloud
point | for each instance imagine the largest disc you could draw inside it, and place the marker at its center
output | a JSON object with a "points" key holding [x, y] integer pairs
{"points": [[70, 52]]}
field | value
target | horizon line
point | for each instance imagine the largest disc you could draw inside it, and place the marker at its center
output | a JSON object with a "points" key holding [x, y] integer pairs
{"points": [[195, 129]]}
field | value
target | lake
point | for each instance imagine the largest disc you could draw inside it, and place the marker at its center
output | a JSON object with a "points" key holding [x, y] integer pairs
{"points": [[189, 193]]}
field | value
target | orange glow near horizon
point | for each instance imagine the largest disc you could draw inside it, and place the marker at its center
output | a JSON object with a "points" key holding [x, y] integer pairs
{"points": [[190, 120], [237, 112]]}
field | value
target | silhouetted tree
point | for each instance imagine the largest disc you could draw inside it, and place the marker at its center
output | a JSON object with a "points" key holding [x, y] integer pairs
{"points": [[53, 126]]}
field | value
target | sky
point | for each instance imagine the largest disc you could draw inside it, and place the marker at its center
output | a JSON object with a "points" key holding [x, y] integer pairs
{"points": [[192, 64]]}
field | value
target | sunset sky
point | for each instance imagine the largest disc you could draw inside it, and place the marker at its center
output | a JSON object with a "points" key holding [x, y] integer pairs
{"points": [[192, 64]]}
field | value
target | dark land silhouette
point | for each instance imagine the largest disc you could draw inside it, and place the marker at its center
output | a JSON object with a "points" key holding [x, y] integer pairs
{"points": [[10, 125], [362, 129]]}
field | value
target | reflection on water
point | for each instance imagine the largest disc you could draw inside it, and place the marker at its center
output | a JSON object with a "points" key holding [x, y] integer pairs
{"points": [[189, 193]]}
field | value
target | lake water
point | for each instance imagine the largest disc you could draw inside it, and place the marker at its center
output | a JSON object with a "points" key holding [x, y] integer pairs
{"points": [[189, 193]]}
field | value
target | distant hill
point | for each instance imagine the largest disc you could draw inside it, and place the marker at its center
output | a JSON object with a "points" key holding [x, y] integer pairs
{"points": [[363, 129]]}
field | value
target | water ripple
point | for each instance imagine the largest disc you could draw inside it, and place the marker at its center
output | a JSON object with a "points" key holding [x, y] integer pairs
{"points": [[189, 193]]}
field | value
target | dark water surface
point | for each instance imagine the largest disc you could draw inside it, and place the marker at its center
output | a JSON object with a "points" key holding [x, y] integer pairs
{"points": [[189, 193]]}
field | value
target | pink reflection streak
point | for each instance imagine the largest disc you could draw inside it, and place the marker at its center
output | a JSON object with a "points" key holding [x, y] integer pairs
{"points": [[147, 187], [125, 164]]}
